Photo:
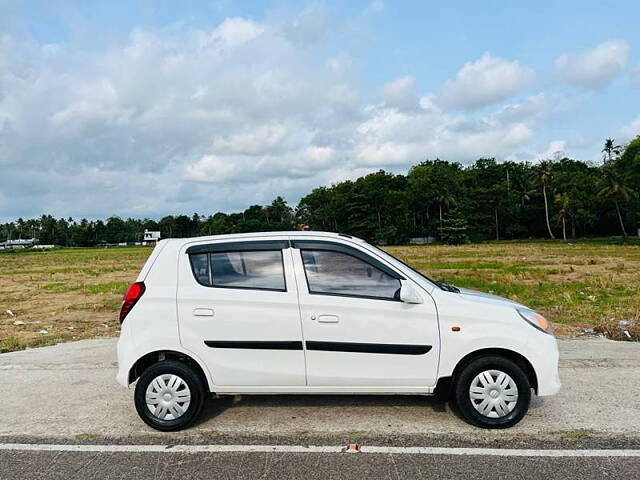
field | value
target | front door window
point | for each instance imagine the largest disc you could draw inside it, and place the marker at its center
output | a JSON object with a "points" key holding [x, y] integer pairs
{"points": [[336, 273]]}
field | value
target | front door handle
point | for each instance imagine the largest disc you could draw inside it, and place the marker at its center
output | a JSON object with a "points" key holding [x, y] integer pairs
{"points": [[203, 312], [328, 319]]}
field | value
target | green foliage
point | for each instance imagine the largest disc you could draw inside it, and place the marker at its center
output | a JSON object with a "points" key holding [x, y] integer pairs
{"points": [[454, 229], [560, 198], [68, 232]]}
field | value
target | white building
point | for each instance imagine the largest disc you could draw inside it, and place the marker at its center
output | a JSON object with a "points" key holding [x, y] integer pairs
{"points": [[19, 243], [151, 236]]}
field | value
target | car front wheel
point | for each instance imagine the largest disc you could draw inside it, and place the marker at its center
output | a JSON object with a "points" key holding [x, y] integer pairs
{"points": [[492, 392], [169, 395]]}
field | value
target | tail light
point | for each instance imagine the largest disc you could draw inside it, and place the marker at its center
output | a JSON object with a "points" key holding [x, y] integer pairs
{"points": [[131, 297]]}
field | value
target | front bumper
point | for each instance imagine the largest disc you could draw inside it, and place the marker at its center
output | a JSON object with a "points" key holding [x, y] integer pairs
{"points": [[546, 368]]}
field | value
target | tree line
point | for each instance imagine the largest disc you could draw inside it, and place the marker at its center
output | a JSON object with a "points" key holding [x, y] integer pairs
{"points": [[556, 198]]}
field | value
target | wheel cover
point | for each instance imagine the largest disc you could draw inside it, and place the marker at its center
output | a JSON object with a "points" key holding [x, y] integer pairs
{"points": [[493, 393], [168, 397]]}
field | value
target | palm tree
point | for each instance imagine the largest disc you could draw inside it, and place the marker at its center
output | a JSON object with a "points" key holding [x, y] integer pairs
{"points": [[562, 200], [610, 150], [617, 191], [545, 176], [445, 200], [524, 190]]}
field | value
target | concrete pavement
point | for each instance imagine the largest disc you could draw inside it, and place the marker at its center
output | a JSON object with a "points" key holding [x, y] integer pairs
{"points": [[68, 391]]}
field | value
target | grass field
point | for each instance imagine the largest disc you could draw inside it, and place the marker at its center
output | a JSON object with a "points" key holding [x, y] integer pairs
{"points": [[69, 294], [63, 294]]}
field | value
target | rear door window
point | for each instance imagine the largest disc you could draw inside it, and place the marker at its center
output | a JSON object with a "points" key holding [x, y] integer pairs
{"points": [[258, 270]]}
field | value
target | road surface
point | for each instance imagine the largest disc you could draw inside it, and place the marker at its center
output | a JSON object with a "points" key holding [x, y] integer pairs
{"points": [[66, 395]]}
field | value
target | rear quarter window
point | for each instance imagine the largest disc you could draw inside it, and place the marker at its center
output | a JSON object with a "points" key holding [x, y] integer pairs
{"points": [[200, 267]]}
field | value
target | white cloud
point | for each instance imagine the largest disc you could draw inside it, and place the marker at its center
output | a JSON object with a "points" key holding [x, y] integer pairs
{"points": [[245, 172], [485, 81], [232, 32], [530, 108], [343, 96], [212, 169], [259, 140], [183, 120], [308, 27], [428, 103], [631, 131], [556, 148], [340, 63], [635, 76], [376, 6], [390, 137], [401, 92], [594, 68], [386, 153], [319, 155]]}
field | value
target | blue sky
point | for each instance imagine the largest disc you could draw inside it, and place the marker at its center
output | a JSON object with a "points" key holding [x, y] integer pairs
{"points": [[150, 108]]}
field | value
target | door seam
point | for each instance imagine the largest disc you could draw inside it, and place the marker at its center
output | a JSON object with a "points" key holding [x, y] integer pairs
{"points": [[304, 343]]}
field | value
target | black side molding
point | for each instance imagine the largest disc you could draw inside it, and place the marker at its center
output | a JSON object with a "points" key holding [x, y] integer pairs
{"points": [[391, 348], [386, 348], [254, 345]]}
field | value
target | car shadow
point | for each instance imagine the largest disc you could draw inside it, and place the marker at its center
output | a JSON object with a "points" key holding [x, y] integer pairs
{"points": [[215, 406]]}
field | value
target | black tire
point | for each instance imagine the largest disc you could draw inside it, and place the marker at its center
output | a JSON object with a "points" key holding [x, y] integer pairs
{"points": [[465, 404], [192, 380]]}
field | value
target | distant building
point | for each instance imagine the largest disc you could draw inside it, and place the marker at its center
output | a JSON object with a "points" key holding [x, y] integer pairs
{"points": [[19, 243], [422, 240], [151, 236]]}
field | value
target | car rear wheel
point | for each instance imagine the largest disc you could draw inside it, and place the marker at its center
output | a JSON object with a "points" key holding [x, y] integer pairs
{"points": [[169, 395], [492, 392]]}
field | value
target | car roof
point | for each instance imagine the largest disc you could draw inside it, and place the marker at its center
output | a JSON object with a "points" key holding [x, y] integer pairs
{"points": [[249, 236]]}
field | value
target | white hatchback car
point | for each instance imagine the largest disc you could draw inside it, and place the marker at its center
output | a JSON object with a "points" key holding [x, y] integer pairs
{"points": [[320, 313]]}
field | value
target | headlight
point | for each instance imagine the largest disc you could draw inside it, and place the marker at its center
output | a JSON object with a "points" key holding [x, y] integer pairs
{"points": [[535, 319]]}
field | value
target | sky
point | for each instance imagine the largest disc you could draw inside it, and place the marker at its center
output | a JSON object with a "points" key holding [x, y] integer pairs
{"points": [[143, 109]]}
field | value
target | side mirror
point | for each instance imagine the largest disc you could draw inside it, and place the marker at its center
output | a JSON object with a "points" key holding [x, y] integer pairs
{"points": [[408, 293]]}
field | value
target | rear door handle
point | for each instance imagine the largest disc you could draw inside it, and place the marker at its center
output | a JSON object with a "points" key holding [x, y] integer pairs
{"points": [[328, 319], [203, 312]]}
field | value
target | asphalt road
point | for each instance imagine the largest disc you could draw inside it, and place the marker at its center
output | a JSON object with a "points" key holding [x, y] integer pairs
{"points": [[67, 394], [141, 466]]}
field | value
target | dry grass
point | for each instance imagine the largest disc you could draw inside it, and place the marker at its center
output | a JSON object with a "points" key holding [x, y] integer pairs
{"points": [[68, 293], [628, 329], [75, 293]]}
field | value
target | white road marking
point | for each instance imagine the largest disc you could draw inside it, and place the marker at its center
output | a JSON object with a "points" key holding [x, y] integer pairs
{"points": [[499, 452]]}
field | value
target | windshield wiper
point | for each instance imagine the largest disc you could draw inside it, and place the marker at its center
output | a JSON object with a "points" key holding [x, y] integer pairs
{"points": [[447, 287]]}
